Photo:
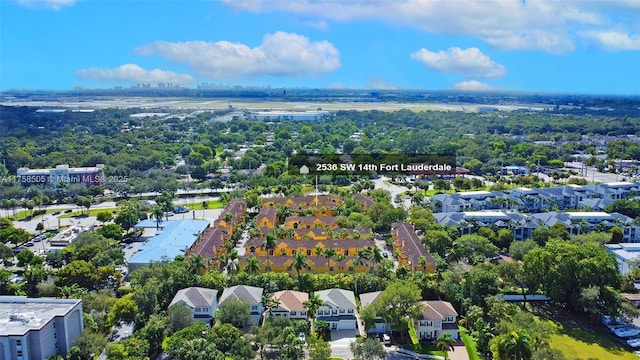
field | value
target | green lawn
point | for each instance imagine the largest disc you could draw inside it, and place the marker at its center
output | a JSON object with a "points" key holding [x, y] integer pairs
{"points": [[92, 212], [469, 344], [576, 343], [213, 204], [425, 348]]}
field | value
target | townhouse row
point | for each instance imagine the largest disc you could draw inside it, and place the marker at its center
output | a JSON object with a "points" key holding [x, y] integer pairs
{"points": [[339, 308], [593, 197]]}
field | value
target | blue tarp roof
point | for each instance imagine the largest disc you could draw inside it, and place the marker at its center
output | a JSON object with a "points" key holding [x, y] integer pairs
{"points": [[172, 240]]}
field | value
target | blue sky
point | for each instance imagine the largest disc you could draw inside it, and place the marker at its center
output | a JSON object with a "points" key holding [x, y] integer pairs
{"points": [[585, 46]]}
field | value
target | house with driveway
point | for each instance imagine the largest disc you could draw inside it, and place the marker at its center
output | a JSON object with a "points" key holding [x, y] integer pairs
{"points": [[437, 318], [339, 309]]}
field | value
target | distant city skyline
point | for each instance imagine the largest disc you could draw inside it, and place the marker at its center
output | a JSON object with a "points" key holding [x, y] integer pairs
{"points": [[580, 46]]}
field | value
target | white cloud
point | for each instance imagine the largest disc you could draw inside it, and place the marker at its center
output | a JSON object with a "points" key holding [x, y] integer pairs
{"points": [[280, 54], [545, 25], [49, 4], [133, 73], [472, 85], [379, 84], [470, 62], [614, 40]]}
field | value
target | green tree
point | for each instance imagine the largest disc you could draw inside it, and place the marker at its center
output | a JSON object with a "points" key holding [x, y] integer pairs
{"points": [[318, 348], [512, 346], [312, 305], [79, 272], [104, 216], [368, 349], [562, 270], [123, 310], [234, 312], [179, 317], [399, 304], [269, 244], [111, 231]]}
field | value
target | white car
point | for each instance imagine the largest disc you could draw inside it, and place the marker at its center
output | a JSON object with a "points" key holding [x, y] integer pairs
{"points": [[302, 337]]}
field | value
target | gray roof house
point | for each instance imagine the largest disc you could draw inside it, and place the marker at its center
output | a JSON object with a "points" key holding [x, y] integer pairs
{"points": [[339, 309], [251, 295], [202, 302]]}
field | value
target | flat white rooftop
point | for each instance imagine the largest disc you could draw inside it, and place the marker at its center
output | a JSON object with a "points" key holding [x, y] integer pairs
{"points": [[19, 314], [473, 193], [621, 183], [589, 214], [482, 214]]}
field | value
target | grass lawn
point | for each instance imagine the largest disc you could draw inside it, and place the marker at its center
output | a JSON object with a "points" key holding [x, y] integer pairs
{"points": [[469, 344], [577, 343], [213, 204], [425, 348], [92, 212]]}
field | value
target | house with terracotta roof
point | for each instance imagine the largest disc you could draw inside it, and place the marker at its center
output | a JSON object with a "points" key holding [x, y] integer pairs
{"points": [[316, 264], [290, 304], [364, 200], [267, 217], [438, 317], [301, 202], [311, 222], [413, 253], [250, 295], [201, 302], [211, 244], [339, 309]]}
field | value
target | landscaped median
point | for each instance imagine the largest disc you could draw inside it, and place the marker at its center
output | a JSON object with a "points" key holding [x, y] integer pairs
{"points": [[469, 343]]}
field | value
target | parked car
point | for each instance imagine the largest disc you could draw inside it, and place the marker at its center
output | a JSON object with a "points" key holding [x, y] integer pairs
{"points": [[386, 339], [302, 337]]}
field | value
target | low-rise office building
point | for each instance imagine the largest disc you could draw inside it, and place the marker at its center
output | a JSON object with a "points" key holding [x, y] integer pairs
{"points": [[34, 329]]}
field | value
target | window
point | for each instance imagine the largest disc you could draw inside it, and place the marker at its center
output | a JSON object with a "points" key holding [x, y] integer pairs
{"points": [[308, 252], [429, 323], [254, 307], [350, 311], [18, 342], [293, 313], [303, 313], [334, 312]]}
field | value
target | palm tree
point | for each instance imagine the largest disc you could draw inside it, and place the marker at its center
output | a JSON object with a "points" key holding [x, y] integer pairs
{"points": [[269, 244], [445, 342], [312, 305], [205, 205], [376, 255], [299, 263], [253, 266], [157, 213], [196, 264], [516, 346], [268, 304], [319, 250], [328, 253]]}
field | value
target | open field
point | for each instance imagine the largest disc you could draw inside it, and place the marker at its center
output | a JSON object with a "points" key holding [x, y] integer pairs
{"points": [[576, 343], [251, 104]]}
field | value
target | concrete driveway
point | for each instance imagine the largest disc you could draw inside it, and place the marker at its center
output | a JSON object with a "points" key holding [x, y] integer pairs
{"points": [[340, 343]]}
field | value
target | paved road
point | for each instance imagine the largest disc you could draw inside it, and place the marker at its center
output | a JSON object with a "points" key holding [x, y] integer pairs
{"points": [[383, 183]]}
